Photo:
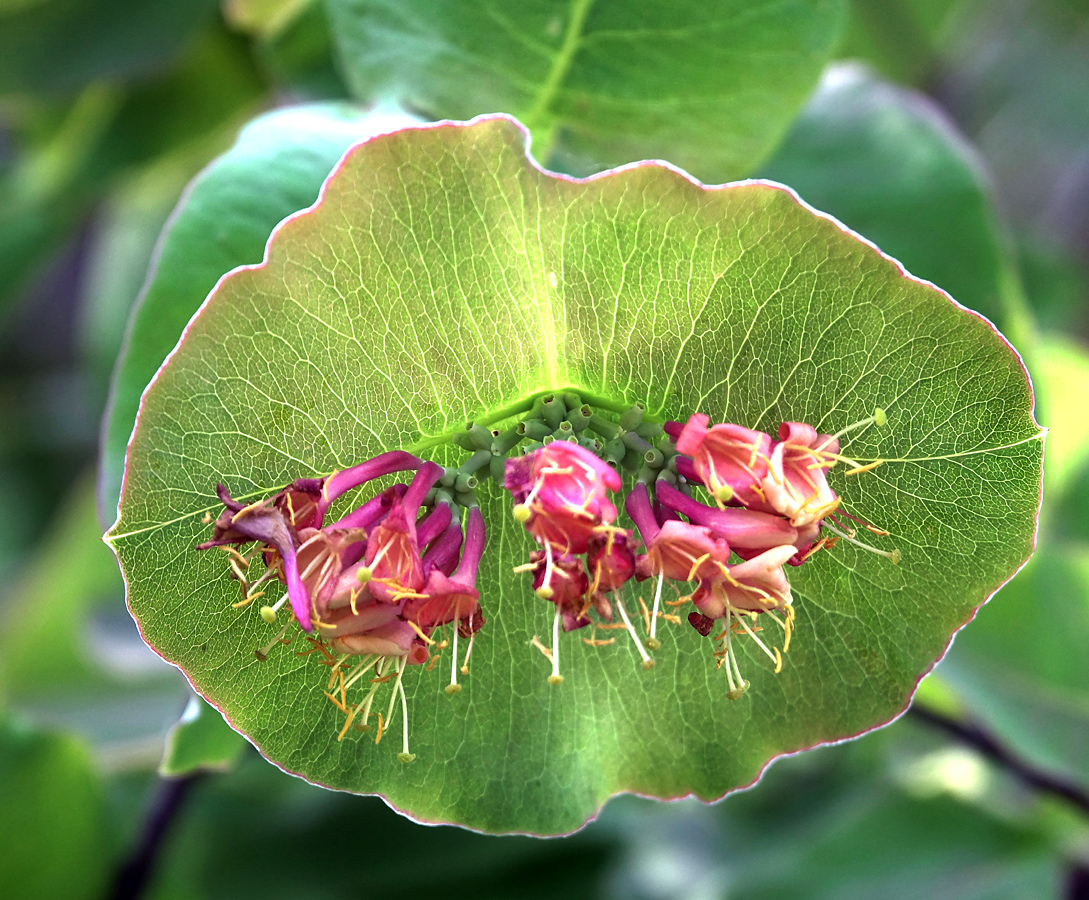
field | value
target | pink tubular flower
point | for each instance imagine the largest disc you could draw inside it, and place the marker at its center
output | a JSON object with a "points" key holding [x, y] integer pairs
{"points": [[796, 483], [610, 562], [259, 522], [560, 492], [742, 529], [372, 587], [453, 598], [392, 565], [745, 592], [677, 550], [756, 585], [681, 551], [731, 460]]}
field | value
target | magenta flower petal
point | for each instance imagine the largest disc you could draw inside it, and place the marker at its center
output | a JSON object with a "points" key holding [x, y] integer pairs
{"points": [[742, 529], [385, 464]]}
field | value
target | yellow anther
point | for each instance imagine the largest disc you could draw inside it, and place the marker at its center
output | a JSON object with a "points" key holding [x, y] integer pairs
{"points": [[866, 468], [423, 636]]}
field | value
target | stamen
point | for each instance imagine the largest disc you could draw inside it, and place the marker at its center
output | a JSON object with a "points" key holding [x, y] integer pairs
{"points": [[347, 722], [545, 652], [893, 555], [358, 671], [393, 691], [336, 703], [866, 468], [736, 690], [871, 528], [268, 613], [423, 637], [468, 653], [878, 418], [262, 655], [725, 637], [404, 756], [366, 573], [453, 687], [648, 663], [555, 678], [545, 591], [652, 642], [321, 559], [741, 619], [248, 509], [522, 511]]}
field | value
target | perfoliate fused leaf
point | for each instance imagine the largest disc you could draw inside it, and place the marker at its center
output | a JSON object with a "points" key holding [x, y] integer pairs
{"points": [[443, 278]]}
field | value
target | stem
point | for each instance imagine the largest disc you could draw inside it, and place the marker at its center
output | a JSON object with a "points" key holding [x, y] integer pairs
{"points": [[134, 874], [973, 735]]}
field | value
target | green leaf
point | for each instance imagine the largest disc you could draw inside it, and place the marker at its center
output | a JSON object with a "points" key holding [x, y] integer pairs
{"points": [[903, 38], [52, 817], [888, 163], [64, 45], [275, 168], [94, 675], [444, 278], [710, 86], [201, 741]]}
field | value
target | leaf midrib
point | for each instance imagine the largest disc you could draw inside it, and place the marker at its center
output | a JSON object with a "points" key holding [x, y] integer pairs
{"points": [[537, 116]]}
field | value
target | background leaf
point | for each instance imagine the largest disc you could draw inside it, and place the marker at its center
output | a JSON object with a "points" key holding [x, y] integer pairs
{"points": [[709, 86], [63, 45], [201, 741], [373, 326], [888, 163], [52, 817]]}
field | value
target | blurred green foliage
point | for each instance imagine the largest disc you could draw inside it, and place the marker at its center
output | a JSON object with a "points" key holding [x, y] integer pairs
{"points": [[964, 158]]}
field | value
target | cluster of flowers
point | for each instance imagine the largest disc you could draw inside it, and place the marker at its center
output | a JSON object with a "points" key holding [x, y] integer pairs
{"points": [[370, 588], [392, 583], [771, 502]]}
